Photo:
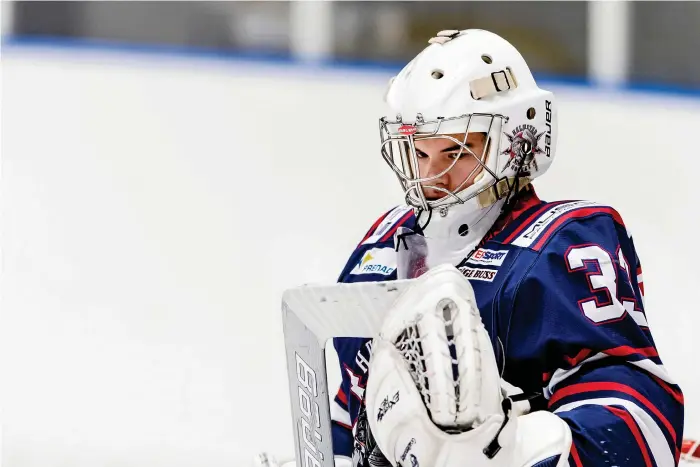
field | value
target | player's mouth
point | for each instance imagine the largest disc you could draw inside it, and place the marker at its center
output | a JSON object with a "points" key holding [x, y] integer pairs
{"points": [[433, 195]]}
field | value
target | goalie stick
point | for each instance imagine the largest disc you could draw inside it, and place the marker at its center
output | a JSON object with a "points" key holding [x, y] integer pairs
{"points": [[311, 315]]}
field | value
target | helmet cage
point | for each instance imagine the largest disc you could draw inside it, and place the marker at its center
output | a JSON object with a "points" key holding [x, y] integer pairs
{"points": [[399, 151]]}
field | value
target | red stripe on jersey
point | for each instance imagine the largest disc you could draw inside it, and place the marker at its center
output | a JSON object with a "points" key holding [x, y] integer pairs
{"points": [[632, 425], [622, 351], [574, 455], [677, 395], [581, 356], [626, 350], [375, 225], [390, 234], [609, 386], [576, 213], [342, 424], [342, 397], [532, 217], [640, 282]]}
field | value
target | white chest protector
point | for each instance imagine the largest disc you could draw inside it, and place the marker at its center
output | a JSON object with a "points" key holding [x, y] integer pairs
{"points": [[451, 237]]}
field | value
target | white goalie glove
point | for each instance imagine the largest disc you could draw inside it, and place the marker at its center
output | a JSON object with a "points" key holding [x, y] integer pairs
{"points": [[435, 396]]}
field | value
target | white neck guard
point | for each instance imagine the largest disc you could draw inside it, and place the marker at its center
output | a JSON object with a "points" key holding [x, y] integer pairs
{"points": [[451, 237]]}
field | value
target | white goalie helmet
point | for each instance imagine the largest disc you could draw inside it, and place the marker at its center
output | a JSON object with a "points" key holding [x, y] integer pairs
{"points": [[464, 82]]}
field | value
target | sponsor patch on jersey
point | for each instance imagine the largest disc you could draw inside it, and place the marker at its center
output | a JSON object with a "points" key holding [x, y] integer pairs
{"points": [[376, 261], [488, 257], [530, 234], [478, 274]]}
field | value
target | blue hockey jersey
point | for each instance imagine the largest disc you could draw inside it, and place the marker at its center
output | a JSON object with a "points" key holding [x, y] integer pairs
{"points": [[560, 291]]}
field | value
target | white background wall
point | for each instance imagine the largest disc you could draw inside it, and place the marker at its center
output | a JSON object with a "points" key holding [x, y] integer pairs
{"points": [[154, 211]]}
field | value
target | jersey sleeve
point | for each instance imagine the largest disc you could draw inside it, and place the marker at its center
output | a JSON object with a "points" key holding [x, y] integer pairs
{"points": [[579, 317]]}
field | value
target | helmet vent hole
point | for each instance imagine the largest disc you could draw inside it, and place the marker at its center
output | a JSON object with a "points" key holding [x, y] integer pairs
{"points": [[531, 113], [437, 74], [487, 59]]}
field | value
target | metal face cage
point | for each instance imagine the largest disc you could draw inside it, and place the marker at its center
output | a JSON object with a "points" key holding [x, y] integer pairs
{"points": [[398, 149]]}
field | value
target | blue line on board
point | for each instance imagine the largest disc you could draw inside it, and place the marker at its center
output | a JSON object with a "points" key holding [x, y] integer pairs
{"points": [[284, 58]]}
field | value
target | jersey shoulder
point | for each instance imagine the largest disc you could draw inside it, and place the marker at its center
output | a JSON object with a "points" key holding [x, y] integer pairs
{"points": [[385, 226], [579, 290], [374, 258], [538, 226]]}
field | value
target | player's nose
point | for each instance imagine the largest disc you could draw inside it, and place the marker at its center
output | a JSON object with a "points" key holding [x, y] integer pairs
{"points": [[435, 167]]}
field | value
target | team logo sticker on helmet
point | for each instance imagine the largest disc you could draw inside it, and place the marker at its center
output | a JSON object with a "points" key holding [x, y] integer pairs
{"points": [[524, 146]]}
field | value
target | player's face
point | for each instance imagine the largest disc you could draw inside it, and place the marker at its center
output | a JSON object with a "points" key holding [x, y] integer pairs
{"points": [[436, 155]]}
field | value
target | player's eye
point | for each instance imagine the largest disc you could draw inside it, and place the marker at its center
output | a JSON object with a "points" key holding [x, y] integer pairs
{"points": [[459, 155]]}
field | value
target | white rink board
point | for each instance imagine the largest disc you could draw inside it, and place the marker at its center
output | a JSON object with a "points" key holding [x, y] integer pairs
{"points": [[155, 210]]}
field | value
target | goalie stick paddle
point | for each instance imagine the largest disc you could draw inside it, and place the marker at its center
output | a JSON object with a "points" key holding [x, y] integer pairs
{"points": [[311, 315]]}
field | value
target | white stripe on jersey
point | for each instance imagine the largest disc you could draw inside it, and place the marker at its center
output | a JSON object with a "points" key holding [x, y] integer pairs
{"points": [[339, 414], [654, 369], [645, 364], [531, 233], [653, 435], [560, 375]]}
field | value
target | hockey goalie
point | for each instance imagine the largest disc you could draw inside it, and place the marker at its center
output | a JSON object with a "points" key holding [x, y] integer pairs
{"points": [[523, 340]]}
